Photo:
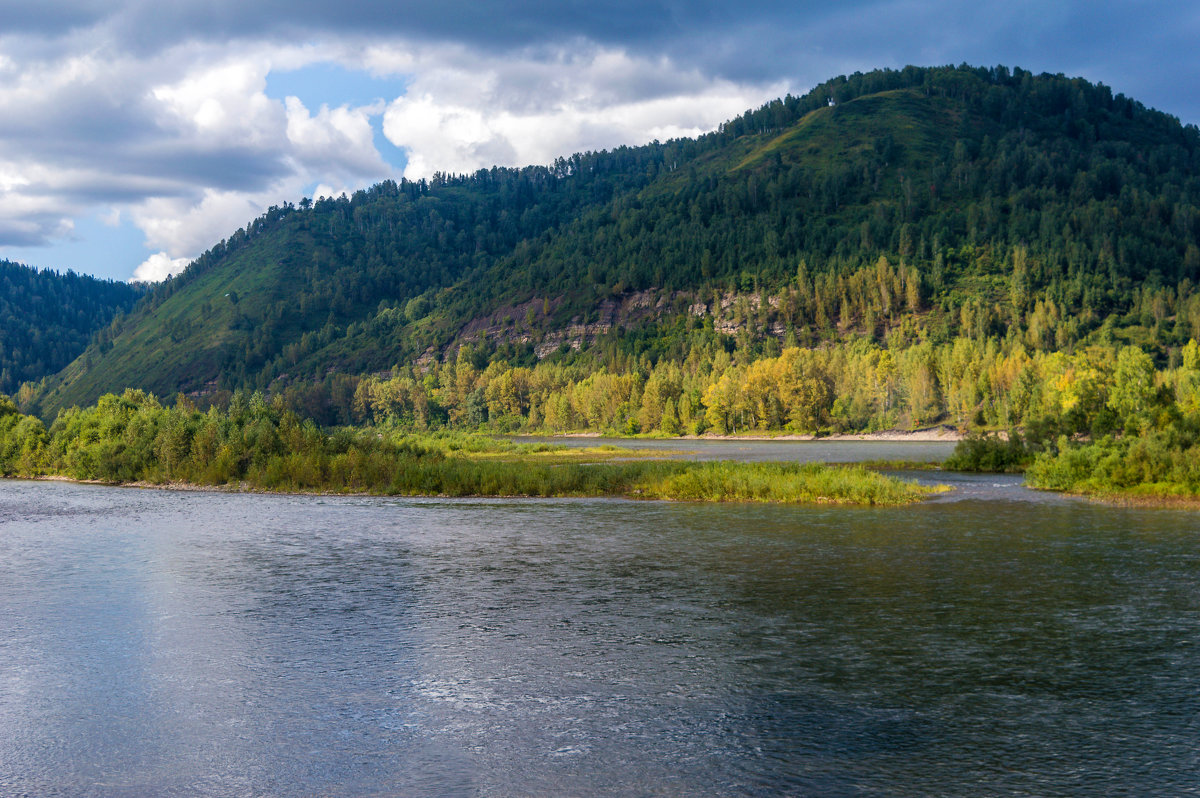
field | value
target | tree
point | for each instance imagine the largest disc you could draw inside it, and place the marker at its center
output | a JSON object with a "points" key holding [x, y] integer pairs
{"points": [[1132, 391]]}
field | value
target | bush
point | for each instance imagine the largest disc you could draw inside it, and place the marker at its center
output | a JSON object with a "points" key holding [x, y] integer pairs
{"points": [[991, 453]]}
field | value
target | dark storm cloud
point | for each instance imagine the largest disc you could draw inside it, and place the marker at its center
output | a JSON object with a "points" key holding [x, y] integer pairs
{"points": [[132, 175], [1144, 49], [74, 122], [514, 23], [227, 169], [104, 123], [50, 19]]}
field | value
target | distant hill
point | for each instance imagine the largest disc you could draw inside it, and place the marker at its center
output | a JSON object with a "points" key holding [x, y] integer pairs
{"points": [[956, 200], [47, 318]]}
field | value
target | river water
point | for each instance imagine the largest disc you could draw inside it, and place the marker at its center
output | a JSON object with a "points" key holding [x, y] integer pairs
{"points": [[995, 641], [767, 450]]}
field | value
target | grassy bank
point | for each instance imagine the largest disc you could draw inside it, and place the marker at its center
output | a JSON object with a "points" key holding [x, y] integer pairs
{"points": [[132, 438]]}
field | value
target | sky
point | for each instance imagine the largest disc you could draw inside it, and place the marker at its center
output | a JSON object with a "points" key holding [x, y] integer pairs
{"points": [[135, 134]]}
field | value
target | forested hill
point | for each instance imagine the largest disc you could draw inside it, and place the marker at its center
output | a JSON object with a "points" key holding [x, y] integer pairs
{"points": [[47, 318], [896, 207]]}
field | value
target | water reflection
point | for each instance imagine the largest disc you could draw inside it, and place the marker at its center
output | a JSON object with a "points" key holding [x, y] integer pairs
{"points": [[205, 644]]}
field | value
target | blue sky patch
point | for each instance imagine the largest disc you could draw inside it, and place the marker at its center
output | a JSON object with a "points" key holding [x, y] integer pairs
{"points": [[334, 85], [95, 248]]}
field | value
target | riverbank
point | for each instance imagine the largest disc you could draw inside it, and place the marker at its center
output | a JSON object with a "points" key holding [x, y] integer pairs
{"points": [[1146, 501]]}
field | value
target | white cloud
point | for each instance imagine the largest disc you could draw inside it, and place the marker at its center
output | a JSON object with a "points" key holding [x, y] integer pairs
{"points": [[335, 140], [157, 268], [444, 137], [185, 143], [186, 226], [323, 190], [12, 177], [223, 104], [462, 115]]}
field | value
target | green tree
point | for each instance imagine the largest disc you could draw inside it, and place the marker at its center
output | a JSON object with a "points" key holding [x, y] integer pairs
{"points": [[1132, 391]]}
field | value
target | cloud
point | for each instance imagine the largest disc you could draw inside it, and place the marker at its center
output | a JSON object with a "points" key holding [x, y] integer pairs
{"points": [[54, 18], [157, 268], [223, 104], [750, 41], [187, 143], [139, 25], [186, 226], [335, 141], [471, 112]]}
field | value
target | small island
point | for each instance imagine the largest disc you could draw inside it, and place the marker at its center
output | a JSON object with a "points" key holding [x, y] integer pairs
{"points": [[133, 439]]}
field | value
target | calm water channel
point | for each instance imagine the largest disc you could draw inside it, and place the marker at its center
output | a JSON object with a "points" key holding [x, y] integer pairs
{"points": [[768, 450], [992, 642]]}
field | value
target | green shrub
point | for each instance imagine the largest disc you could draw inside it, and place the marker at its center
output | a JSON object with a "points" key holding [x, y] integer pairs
{"points": [[991, 453]]}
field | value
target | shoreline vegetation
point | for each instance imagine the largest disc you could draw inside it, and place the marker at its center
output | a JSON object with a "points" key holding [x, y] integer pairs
{"points": [[254, 444], [1159, 467], [1126, 432], [132, 439]]}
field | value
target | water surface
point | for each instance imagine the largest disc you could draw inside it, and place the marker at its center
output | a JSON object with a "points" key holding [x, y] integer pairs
{"points": [[996, 641], [767, 450]]}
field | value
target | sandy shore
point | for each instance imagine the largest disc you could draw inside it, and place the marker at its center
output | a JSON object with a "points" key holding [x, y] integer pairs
{"points": [[240, 487], [941, 433]]}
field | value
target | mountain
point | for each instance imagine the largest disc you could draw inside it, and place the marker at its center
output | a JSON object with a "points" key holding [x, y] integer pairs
{"points": [[926, 203], [47, 318]]}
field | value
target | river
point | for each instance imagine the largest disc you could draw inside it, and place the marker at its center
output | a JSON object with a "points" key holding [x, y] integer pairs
{"points": [[765, 449], [992, 641]]}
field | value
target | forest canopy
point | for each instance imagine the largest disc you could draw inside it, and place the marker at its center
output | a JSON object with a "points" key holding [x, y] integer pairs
{"points": [[47, 318]]}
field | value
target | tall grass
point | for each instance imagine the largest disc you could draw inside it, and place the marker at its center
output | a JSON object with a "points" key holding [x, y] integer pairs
{"points": [[783, 482]]}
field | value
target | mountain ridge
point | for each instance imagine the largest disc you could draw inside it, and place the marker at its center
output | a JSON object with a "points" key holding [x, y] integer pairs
{"points": [[879, 197]]}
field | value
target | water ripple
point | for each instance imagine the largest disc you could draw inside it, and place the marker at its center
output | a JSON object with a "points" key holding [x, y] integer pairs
{"points": [[997, 642]]}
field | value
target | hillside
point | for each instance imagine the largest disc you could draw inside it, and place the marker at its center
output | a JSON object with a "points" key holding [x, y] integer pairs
{"points": [[895, 207], [47, 318]]}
